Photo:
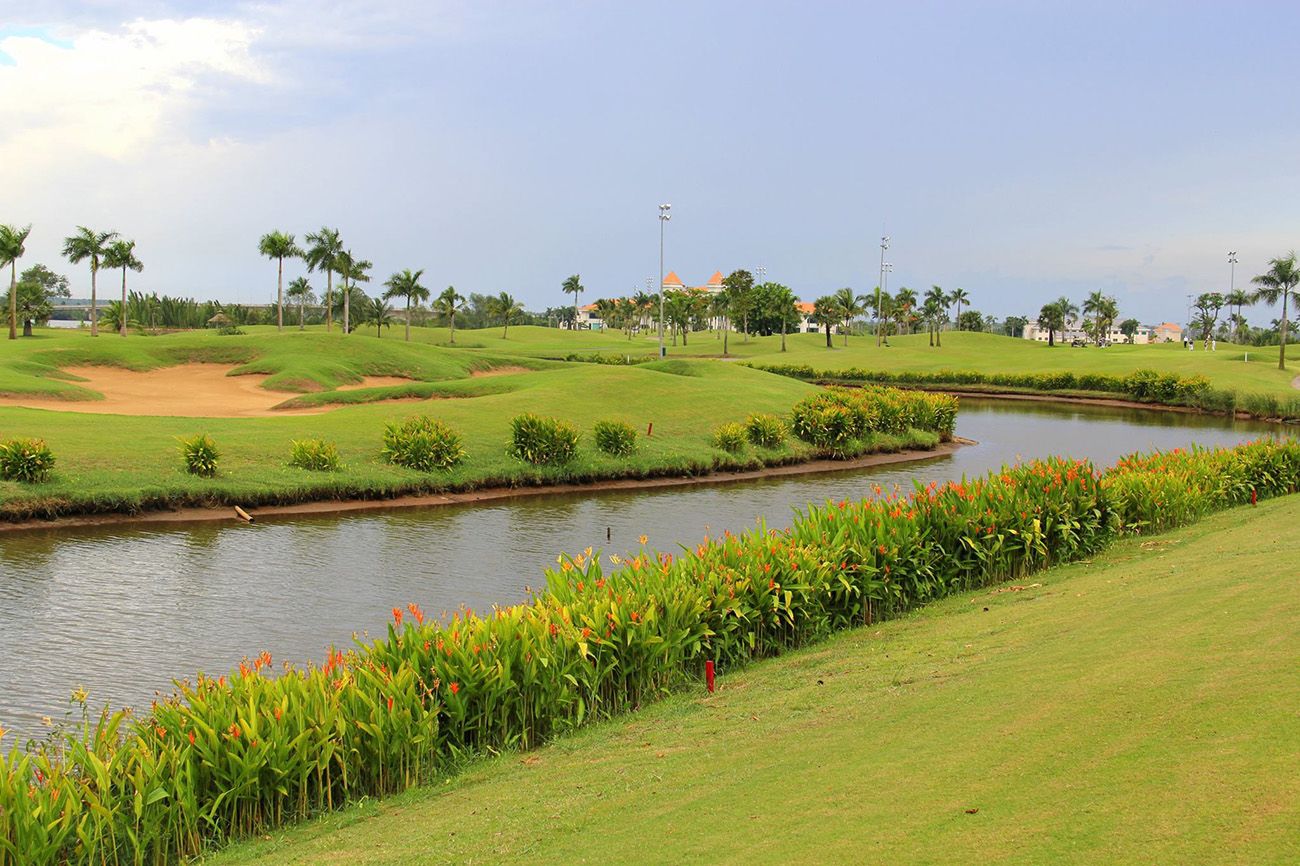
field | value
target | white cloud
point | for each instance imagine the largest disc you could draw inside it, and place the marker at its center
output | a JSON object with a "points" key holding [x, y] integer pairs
{"points": [[115, 94]]}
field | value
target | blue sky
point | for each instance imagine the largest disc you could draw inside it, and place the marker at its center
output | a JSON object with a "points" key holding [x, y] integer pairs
{"points": [[1018, 150]]}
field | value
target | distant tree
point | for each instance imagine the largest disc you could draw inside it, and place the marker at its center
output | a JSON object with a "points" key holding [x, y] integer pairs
{"points": [[1103, 310], [300, 290], [573, 286], [850, 307], [1279, 281], [959, 297], [826, 312], [936, 306], [1051, 317], [279, 246], [739, 286], [87, 245], [1129, 328], [35, 287], [447, 305], [505, 307], [783, 305], [121, 254], [323, 249], [971, 320], [13, 245], [407, 285], [377, 312], [904, 303], [1208, 305], [1014, 326], [352, 271]]}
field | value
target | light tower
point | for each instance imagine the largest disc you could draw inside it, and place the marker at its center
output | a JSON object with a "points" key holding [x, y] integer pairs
{"points": [[665, 214]]}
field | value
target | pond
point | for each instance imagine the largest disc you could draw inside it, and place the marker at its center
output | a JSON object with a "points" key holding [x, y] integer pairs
{"points": [[121, 610]]}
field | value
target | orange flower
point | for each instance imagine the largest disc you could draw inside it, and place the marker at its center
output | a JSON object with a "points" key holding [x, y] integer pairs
{"points": [[397, 615], [455, 688]]}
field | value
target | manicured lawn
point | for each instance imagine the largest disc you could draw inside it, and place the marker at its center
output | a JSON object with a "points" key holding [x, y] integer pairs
{"points": [[1136, 708]]}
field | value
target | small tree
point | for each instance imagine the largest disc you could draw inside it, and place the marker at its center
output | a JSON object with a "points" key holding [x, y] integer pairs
{"points": [[89, 246], [1129, 328], [1208, 306], [279, 246], [448, 304], [573, 286], [300, 290], [1279, 281], [121, 254], [505, 306], [1052, 318], [378, 313], [13, 245], [739, 286], [407, 285], [323, 248]]}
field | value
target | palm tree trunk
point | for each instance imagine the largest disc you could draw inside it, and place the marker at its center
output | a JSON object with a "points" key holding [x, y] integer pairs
{"points": [[347, 302], [846, 331], [452, 320], [302, 314], [828, 335], [726, 329], [13, 300], [94, 313], [575, 311], [122, 324], [1281, 355], [408, 318], [782, 334], [329, 301], [279, 296]]}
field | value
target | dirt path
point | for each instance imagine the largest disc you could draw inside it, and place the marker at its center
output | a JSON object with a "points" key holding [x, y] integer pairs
{"points": [[185, 390]]}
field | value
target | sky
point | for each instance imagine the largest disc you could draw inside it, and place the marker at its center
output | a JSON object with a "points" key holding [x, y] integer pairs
{"points": [[1018, 150]]}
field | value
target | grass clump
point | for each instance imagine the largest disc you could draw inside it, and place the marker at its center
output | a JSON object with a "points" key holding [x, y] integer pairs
{"points": [[29, 461], [422, 443], [543, 441], [316, 455], [765, 431], [200, 455], [616, 438], [730, 437]]}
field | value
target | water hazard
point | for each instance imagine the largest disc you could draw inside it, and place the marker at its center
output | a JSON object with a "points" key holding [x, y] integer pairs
{"points": [[122, 610]]}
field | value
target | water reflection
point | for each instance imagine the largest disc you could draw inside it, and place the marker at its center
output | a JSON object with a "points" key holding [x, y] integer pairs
{"points": [[121, 610]]}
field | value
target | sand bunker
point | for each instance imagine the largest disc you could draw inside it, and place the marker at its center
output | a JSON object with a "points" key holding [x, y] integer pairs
{"points": [[186, 390]]}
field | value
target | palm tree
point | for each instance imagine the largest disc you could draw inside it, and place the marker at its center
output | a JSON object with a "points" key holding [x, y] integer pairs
{"points": [[121, 254], [959, 297], [849, 306], [826, 312], [904, 303], [1279, 281], [936, 308], [300, 290], [279, 246], [740, 287], [87, 245], [1099, 307], [505, 306], [13, 244], [447, 305], [377, 312], [719, 306], [323, 249], [573, 286], [352, 270], [33, 304], [1052, 317], [784, 307], [407, 285]]}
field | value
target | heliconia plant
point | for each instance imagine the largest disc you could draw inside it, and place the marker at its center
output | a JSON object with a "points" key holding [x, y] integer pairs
{"points": [[244, 753]]}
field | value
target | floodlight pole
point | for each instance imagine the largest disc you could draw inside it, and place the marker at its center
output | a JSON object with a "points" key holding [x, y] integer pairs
{"points": [[664, 217], [884, 245]]}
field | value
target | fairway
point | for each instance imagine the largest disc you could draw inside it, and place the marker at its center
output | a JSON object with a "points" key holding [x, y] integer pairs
{"points": [[1139, 707]]}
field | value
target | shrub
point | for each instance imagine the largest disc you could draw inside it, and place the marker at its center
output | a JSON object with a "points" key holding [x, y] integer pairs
{"points": [[543, 441], [314, 454], [615, 437], [730, 437], [27, 460], [422, 443], [765, 431], [200, 455]]}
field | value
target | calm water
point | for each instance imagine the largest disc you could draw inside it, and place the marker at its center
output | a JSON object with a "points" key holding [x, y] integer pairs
{"points": [[122, 610]]}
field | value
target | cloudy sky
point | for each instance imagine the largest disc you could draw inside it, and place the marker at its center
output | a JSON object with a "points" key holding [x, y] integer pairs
{"points": [[1020, 150]]}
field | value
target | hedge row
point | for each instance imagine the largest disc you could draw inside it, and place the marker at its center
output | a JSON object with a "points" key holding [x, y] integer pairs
{"points": [[249, 752], [1147, 386]]}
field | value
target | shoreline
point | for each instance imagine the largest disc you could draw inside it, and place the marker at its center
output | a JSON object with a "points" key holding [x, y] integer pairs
{"points": [[486, 494]]}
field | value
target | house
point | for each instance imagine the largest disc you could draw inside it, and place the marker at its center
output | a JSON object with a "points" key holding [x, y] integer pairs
{"points": [[1166, 332], [588, 319], [1071, 332]]}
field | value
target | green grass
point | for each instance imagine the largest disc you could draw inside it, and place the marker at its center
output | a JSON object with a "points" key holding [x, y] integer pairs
{"points": [[1136, 708]]}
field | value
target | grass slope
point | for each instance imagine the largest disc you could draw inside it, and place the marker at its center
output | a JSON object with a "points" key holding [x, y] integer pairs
{"points": [[1136, 708]]}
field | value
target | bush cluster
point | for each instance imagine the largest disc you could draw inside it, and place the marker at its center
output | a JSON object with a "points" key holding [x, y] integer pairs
{"points": [[836, 418], [765, 431], [615, 437], [730, 437], [543, 441], [316, 455], [199, 455], [422, 443], [388, 715], [29, 461]]}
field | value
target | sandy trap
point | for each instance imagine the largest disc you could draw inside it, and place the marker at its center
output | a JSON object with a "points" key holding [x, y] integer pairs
{"points": [[186, 390]]}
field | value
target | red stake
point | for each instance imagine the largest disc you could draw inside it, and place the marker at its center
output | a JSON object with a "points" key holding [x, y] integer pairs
{"points": [[708, 675], [1252, 496], [650, 429]]}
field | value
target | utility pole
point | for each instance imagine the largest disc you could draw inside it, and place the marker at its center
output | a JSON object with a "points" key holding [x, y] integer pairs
{"points": [[884, 245], [664, 217]]}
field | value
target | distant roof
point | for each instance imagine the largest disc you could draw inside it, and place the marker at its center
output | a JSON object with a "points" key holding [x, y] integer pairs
{"points": [[716, 279], [587, 307], [673, 280], [806, 306]]}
